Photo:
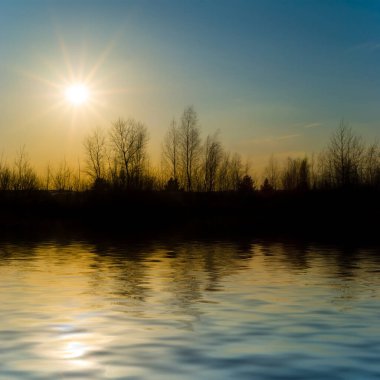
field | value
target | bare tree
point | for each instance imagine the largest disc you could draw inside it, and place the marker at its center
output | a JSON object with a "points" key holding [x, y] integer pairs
{"points": [[24, 177], [296, 174], [345, 155], [77, 180], [230, 173], [113, 170], [212, 160], [303, 174], [222, 177], [236, 171], [189, 143], [5, 176], [48, 177], [95, 150], [313, 172], [324, 171], [129, 139], [272, 173], [170, 149], [62, 178], [371, 167]]}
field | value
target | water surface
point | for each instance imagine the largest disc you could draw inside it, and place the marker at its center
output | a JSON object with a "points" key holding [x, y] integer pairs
{"points": [[188, 310]]}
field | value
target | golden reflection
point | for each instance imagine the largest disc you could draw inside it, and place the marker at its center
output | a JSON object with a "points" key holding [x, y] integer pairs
{"points": [[74, 350], [87, 309]]}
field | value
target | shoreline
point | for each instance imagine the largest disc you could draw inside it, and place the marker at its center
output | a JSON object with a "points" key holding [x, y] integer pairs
{"points": [[341, 215]]}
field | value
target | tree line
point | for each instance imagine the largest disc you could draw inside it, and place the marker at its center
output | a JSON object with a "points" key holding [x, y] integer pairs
{"points": [[347, 162], [119, 160]]}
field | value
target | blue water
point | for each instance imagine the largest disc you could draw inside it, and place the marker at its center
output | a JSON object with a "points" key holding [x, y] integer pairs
{"points": [[188, 310]]}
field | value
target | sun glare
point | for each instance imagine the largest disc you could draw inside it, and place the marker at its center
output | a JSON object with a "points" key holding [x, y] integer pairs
{"points": [[77, 94]]}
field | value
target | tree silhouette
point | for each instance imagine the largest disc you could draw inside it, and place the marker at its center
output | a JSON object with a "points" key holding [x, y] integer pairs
{"points": [[23, 176], [172, 185], [266, 186], [62, 178], [212, 159], [95, 153], [170, 149], [189, 143], [246, 184], [129, 139], [5, 176], [344, 156], [371, 165], [272, 173], [296, 174]]}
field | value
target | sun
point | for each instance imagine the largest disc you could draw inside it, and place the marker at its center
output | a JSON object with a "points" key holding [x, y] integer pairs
{"points": [[77, 94]]}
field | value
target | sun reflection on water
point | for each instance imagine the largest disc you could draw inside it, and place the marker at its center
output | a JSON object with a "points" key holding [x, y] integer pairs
{"points": [[212, 310], [74, 350]]}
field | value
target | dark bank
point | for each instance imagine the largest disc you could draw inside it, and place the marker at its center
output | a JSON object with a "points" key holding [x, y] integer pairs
{"points": [[344, 213]]}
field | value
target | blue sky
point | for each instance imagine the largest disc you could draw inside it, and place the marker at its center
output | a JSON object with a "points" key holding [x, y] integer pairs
{"points": [[273, 76]]}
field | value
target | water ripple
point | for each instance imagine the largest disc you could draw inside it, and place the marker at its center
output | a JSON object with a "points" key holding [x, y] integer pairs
{"points": [[188, 310]]}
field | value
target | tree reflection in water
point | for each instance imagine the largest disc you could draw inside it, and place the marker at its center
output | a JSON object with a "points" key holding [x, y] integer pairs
{"points": [[178, 308]]}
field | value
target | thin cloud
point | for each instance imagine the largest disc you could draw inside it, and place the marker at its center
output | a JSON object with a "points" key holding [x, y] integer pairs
{"points": [[312, 125], [287, 137]]}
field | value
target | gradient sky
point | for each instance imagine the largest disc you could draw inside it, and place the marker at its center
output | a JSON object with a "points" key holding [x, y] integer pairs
{"points": [[273, 76]]}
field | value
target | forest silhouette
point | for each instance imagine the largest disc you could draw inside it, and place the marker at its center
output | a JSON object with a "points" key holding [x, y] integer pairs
{"points": [[198, 184]]}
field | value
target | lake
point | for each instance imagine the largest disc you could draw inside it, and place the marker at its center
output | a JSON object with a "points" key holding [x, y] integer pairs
{"points": [[188, 309]]}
